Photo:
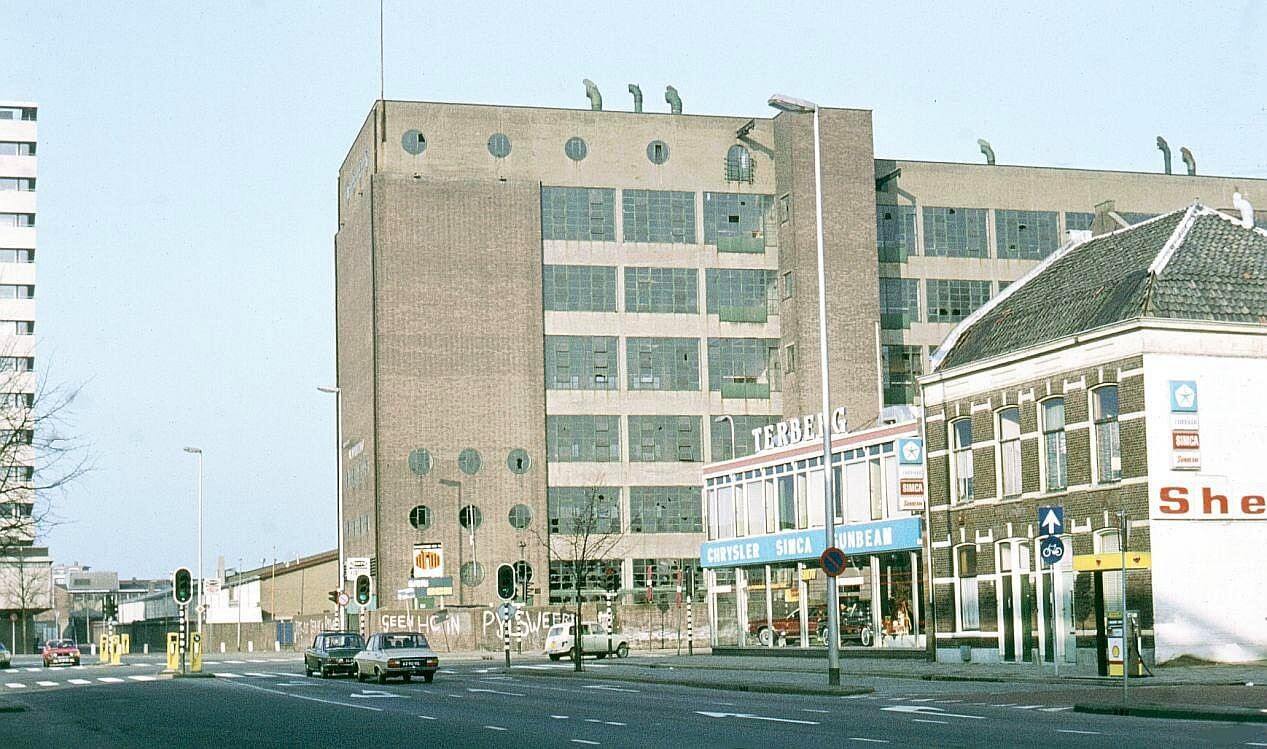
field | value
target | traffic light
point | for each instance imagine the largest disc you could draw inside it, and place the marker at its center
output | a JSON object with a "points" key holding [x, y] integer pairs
{"points": [[505, 582], [108, 606], [611, 579], [362, 589], [333, 596], [182, 586]]}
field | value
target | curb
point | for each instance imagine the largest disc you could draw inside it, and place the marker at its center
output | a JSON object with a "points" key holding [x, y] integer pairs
{"points": [[1176, 712], [723, 686]]}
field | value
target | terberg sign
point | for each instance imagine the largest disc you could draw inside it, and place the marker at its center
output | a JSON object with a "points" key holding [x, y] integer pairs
{"points": [[794, 431]]}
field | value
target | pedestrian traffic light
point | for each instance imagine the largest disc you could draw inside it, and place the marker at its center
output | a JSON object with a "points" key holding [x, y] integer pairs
{"points": [[182, 585], [611, 579], [362, 589], [108, 606], [333, 596], [505, 582]]}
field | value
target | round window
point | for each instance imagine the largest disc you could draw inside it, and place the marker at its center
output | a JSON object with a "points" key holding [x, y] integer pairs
{"points": [[420, 462], [518, 461], [520, 516], [414, 142], [469, 461], [658, 151], [575, 148], [470, 517], [472, 574], [499, 145], [420, 517]]}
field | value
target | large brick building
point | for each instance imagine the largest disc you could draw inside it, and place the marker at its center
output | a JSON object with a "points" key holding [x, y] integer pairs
{"points": [[533, 303], [1078, 387]]}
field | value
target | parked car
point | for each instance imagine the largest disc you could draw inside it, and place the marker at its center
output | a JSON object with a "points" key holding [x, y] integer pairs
{"points": [[403, 654], [5, 658], [855, 625], [60, 653], [333, 653], [594, 640]]}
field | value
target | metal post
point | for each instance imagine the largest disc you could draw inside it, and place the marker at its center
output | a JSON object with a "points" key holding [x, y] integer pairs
{"points": [[690, 611], [1126, 625], [181, 635], [338, 462], [610, 622], [506, 640], [202, 591]]}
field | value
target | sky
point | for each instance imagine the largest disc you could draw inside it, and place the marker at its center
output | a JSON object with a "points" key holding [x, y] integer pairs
{"points": [[187, 186]]}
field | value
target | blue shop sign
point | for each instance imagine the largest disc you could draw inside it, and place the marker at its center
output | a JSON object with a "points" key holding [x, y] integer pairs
{"points": [[795, 546]]}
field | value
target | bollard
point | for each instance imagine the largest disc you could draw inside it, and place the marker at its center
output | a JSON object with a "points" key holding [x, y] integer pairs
{"points": [[145, 649], [250, 646], [277, 646], [221, 648]]}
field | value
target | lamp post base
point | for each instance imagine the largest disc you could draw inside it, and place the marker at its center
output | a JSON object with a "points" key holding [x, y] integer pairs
{"points": [[833, 677]]}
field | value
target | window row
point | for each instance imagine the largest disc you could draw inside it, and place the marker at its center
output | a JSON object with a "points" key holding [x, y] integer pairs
{"points": [[734, 294], [652, 438], [16, 148], [1052, 466], [591, 363], [16, 255], [16, 220], [17, 113], [601, 576], [733, 222], [948, 299], [21, 184]]}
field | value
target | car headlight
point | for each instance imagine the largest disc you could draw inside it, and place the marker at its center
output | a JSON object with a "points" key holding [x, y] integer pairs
{"points": [[393, 663]]}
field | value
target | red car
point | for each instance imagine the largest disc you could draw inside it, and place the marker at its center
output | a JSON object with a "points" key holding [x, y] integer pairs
{"points": [[60, 653]]}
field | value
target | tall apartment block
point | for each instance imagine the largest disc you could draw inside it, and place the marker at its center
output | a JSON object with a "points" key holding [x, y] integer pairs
{"points": [[537, 306]]}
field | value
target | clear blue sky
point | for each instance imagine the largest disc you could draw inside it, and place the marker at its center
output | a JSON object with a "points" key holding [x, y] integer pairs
{"points": [[188, 161]]}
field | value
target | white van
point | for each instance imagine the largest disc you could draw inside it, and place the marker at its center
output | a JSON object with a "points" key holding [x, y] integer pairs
{"points": [[594, 641]]}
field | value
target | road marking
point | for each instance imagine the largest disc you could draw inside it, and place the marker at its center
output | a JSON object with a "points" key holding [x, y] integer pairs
{"points": [[858, 697], [1092, 733], [1055, 709], [495, 728], [593, 720], [1008, 704], [79, 682], [447, 671], [924, 699], [257, 673], [583, 741], [613, 723], [922, 720], [749, 716], [872, 741], [426, 717], [812, 710], [366, 694], [46, 683], [306, 697], [235, 661], [559, 717], [110, 680], [142, 677], [33, 670], [228, 675], [494, 691], [947, 702], [205, 663], [256, 660], [15, 685], [1027, 707], [610, 689], [928, 710]]}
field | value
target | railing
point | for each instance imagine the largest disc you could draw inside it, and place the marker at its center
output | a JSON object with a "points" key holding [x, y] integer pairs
{"points": [[744, 243], [758, 313], [750, 390]]}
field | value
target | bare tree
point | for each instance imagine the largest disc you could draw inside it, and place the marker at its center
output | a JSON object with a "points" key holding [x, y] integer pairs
{"points": [[38, 459], [588, 529]]}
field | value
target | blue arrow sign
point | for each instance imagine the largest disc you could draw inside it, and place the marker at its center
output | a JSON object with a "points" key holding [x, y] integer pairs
{"points": [[1051, 550], [1051, 520]]}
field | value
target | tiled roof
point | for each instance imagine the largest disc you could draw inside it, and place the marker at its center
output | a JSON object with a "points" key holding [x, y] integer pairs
{"points": [[1193, 264]]}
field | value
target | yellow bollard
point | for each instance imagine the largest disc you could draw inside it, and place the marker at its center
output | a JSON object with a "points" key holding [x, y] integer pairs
{"points": [[173, 651], [103, 652], [125, 642], [116, 650], [195, 652]]}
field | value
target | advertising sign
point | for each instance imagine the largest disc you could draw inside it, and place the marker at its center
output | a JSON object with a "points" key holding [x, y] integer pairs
{"points": [[355, 566], [852, 538], [428, 560]]}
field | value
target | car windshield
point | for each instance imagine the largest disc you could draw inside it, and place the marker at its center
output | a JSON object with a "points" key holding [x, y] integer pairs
{"points": [[398, 642], [344, 641], [62, 644], [559, 630]]}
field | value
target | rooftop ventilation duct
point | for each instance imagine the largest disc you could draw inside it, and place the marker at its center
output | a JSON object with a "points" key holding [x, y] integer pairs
{"points": [[591, 91], [636, 90], [1164, 147], [1245, 207], [1188, 159], [987, 150], [675, 101]]}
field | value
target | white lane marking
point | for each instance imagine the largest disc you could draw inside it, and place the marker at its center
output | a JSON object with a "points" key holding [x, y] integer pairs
{"points": [[583, 741], [1006, 704], [447, 671], [1027, 707], [614, 723], [142, 677], [235, 661], [78, 682], [593, 720], [258, 673], [946, 702], [256, 660], [1055, 709], [33, 670], [46, 683], [928, 710], [610, 689], [1092, 733], [494, 691], [812, 710], [495, 728], [366, 694], [922, 720], [426, 717], [110, 680], [205, 663], [228, 675], [305, 697], [559, 717], [15, 685], [749, 716], [924, 699], [858, 697], [872, 741]]}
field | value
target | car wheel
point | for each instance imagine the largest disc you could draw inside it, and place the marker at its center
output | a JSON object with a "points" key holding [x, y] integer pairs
{"points": [[428, 677], [554, 656], [307, 671], [382, 676], [822, 635], [622, 650], [325, 674], [765, 636], [866, 636], [359, 676], [601, 656]]}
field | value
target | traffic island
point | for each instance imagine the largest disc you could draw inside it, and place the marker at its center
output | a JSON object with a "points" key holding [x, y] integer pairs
{"points": [[1176, 712], [729, 686]]}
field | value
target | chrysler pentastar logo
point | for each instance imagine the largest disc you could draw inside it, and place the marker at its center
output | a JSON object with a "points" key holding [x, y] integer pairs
{"points": [[910, 451], [1185, 396]]}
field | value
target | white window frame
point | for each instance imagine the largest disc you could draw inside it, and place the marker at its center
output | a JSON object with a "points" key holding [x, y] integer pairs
{"points": [[1044, 464], [999, 443], [959, 588], [956, 495], [1092, 395]]}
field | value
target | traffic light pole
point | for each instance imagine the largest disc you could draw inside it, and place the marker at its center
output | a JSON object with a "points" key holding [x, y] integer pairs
{"points": [[184, 629]]}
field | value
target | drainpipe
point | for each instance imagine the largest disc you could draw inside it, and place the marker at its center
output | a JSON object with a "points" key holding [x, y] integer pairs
{"points": [[1188, 160], [636, 90], [1165, 151], [591, 91], [675, 101], [987, 150]]}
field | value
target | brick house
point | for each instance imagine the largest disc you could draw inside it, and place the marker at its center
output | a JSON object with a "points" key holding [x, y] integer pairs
{"points": [[1079, 386]]}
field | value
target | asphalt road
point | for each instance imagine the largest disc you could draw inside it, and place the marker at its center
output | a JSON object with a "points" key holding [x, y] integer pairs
{"points": [[269, 702]]}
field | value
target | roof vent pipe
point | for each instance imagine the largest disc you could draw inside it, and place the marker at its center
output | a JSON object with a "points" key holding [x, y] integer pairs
{"points": [[636, 90], [675, 101], [987, 150], [1246, 209], [1188, 159], [1164, 147], [591, 91]]}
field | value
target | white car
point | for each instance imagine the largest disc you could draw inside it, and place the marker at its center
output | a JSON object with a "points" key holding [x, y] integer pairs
{"points": [[594, 640], [403, 654]]}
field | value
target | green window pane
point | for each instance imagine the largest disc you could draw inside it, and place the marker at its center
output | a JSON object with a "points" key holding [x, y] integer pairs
{"points": [[662, 363]]}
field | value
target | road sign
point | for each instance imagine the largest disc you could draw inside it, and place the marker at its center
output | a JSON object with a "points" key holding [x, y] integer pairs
{"points": [[344, 598], [356, 566], [506, 611], [1051, 519], [1052, 550], [833, 561], [405, 594]]}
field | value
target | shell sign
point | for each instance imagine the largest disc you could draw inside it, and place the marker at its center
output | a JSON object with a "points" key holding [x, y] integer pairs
{"points": [[428, 560]]}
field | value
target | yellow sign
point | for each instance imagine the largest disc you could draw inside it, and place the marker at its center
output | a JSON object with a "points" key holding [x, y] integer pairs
{"points": [[1112, 560], [173, 651], [195, 652], [125, 643], [103, 648], [116, 650]]}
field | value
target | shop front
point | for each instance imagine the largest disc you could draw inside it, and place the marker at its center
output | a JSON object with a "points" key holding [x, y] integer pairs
{"points": [[766, 529]]}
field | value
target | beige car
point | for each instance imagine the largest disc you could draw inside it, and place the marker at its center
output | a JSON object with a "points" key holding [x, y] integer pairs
{"points": [[403, 654], [594, 641]]}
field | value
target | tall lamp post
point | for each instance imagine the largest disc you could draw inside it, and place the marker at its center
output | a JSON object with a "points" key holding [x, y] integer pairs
{"points": [[338, 462], [202, 602], [461, 584], [801, 106]]}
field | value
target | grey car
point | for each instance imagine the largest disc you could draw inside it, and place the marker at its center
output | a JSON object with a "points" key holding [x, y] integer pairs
{"points": [[403, 654], [4, 656]]}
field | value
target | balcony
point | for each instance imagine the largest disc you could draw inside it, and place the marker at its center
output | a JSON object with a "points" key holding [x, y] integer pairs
{"points": [[740, 388], [751, 244], [759, 313]]}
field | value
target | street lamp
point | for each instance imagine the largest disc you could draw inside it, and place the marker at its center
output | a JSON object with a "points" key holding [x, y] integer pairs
{"points": [[727, 417], [802, 106], [338, 462], [202, 603], [471, 525]]}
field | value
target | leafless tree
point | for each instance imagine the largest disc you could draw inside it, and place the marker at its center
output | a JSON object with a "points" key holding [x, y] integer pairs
{"points": [[586, 533]]}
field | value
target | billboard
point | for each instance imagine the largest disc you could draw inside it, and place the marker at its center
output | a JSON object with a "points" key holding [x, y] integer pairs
{"points": [[428, 560]]}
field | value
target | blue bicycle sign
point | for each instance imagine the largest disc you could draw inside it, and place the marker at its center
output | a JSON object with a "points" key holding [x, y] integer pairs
{"points": [[1052, 550]]}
